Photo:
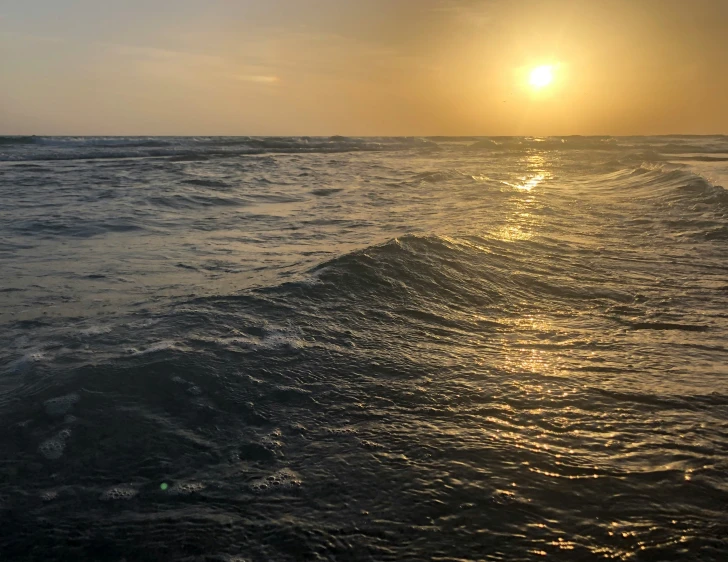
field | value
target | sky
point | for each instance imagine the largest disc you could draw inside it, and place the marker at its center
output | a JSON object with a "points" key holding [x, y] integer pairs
{"points": [[362, 67]]}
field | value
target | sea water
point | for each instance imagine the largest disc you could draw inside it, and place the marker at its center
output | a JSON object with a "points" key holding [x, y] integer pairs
{"points": [[363, 348]]}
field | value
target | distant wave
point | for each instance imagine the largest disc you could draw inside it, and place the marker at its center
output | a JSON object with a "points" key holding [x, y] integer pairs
{"points": [[20, 148], [547, 143], [11, 140], [194, 148], [653, 145], [677, 200], [683, 185]]}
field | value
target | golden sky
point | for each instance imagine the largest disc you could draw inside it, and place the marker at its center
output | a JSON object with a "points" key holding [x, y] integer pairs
{"points": [[363, 67]]}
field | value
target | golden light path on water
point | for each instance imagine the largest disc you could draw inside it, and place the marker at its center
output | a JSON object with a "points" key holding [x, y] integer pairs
{"points": [[522, 354], [521, 224]]}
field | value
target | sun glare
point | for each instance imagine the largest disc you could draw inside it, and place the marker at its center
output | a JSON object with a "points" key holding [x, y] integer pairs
{"points": [[541, 76]]}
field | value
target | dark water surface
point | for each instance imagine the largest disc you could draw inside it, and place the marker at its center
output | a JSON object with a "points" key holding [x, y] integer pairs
{"points": [[257, 349]]}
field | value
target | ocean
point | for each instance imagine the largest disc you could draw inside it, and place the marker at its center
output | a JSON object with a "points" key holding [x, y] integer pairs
{"points": [[250, 348]]}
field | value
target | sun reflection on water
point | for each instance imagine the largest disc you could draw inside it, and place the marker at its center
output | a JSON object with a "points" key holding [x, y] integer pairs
{"points": [[536, 173], [522, 223], [529, 184]]}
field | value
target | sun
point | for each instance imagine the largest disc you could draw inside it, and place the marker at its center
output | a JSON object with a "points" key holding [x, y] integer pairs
{"points": [[541, 76]]}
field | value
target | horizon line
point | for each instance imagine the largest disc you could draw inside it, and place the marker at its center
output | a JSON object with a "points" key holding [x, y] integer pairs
{"points": [[188, 135]]}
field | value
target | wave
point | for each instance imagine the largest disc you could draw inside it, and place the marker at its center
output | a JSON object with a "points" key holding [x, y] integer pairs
{"points": [[106, 142], [677, 201], [196, 148], [76, 228], [669, 326], [653, 177], [440, 176], [194, 201], [79, 142], [14, 140], [573, 142], [672, 186], [200, 148], [207, 183], [657, 146], [682, 148], [718, 233], [325, 192], [441, 275]]}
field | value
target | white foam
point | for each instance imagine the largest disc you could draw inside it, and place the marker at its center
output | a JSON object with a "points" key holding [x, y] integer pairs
{"points": [[272, 440], [64, 434], [159, 346], [144, 323], [298, 427], [27, 361], [52, 449], [279, 340], [61, 405], [194, 390], [275, 338], [345, 430], [282, 479], [186, 488], [236, 340], [95, 330], [314, 277], [122, 492], [371, 444], [49, 495]]}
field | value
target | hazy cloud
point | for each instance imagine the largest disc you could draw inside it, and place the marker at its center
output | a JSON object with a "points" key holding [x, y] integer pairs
{"points": [[258, 78]]}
